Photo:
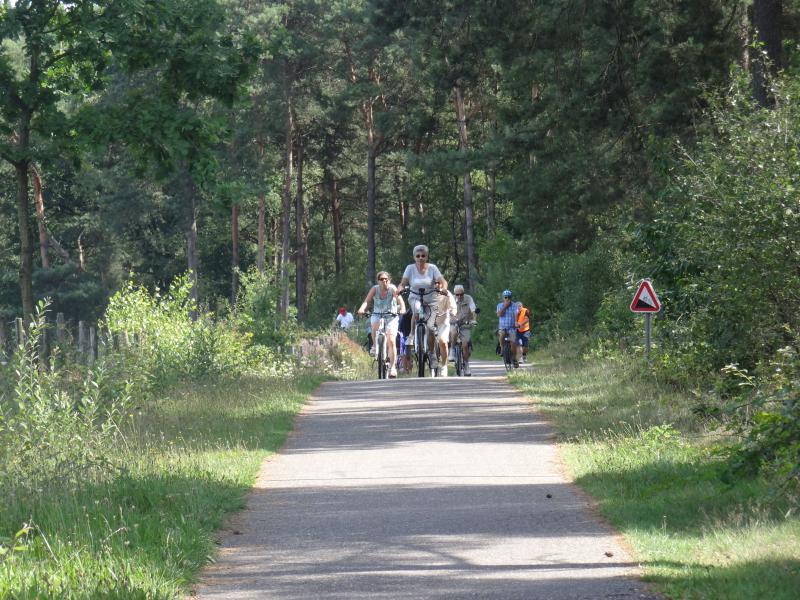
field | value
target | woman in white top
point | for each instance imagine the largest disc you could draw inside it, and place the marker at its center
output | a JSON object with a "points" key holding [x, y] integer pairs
{"points": [[386, 304], [422, 275]]}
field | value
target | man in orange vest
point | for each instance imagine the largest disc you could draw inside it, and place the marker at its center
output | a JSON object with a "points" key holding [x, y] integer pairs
{"points": [[523, 325]]}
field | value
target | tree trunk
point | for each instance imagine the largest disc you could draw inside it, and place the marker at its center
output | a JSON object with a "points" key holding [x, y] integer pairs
{"points": [[491, 202], [371, 214], [38, 201], [421, 215], [469, 238], [283, 303], [301, 240], [336, 219], [25, 241], [234, 254], [261, 252], [81, 253], [193, 262], [454, 235], [275, 236], [767, 17], [402, 204]]}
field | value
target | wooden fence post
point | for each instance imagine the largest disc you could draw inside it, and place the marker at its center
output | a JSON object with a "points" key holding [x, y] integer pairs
{"points": [[82, 339]]}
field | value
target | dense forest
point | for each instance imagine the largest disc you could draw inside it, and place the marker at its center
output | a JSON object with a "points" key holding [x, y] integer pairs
{"points": [[564, 149], [205, 182]]}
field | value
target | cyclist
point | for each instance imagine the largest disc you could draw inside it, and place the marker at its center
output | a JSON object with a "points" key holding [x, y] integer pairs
{"points": [[443, 309], [466, 318], [523, 329], [386, 304], [420, 275], [507, 314]]}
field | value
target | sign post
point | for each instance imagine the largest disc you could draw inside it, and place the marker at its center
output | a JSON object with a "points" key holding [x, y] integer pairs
{"points": [[645, 301]]}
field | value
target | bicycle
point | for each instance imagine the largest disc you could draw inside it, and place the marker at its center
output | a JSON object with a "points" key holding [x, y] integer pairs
{"points": [[422, 352], [458, 351], [507, 351], [381, 342]]}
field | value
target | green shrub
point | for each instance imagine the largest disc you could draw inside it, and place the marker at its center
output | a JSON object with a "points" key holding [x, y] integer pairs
{"points": [[766, 415], [257, 311], [730, 222], [56, 430], [585, 281], [169, 345]]}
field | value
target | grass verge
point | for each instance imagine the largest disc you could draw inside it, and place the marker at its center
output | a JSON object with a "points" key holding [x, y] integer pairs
{"points": [[657, 475], [189, 460]]}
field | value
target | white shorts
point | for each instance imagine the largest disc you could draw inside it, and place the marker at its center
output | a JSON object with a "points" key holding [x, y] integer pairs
{"points": [[392, 323], [443, 332], [442, 328]]}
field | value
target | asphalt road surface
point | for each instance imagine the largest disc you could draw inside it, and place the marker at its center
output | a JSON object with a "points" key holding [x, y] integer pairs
{"points": [[419, 488]]}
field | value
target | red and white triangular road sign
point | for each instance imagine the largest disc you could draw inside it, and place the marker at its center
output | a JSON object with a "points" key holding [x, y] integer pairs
{"points": [[645, 299]]}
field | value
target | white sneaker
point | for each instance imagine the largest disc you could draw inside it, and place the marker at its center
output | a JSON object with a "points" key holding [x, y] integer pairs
{"points": [[393, 372], [467, 372], [443, 372]]}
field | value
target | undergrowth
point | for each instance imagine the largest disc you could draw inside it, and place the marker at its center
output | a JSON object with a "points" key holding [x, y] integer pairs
{"points": [[660, 471]]}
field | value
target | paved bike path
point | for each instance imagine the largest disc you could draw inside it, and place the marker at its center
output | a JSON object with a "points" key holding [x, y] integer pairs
{"points": [[419, 488]]}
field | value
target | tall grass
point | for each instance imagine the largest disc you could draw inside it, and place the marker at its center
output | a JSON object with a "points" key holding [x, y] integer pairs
{"points": [[114, 478], [658, 472], [186, 461]]}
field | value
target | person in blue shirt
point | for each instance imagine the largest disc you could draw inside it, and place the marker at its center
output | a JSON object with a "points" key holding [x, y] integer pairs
{"points": [[507, 324]]}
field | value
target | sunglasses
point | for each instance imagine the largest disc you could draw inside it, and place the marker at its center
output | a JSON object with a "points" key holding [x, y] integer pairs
{"points": [[422, 256], [383, 279], [459, 294]]}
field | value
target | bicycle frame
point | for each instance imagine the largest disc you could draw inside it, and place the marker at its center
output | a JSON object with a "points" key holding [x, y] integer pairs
{"points": [[508, 359], [381, 342], [422, 350], [458, 351]]}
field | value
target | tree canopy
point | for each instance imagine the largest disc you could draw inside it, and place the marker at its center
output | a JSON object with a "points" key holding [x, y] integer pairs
{"points": [[566, 148]]}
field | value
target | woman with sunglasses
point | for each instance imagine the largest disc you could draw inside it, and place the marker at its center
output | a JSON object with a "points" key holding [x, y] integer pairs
{"points": [[421, 275], [385, 299]]}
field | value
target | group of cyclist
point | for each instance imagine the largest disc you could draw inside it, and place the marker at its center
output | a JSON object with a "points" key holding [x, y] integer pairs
{"points": [[427, 287]]}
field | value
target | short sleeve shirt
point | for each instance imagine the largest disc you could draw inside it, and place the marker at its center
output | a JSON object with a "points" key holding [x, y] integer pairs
{"points": [[509, 318], [417, 280], [345, 320], [465, 307]]}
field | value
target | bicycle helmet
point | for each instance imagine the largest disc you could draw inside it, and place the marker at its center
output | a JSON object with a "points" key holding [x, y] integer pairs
{"points": [[507, 294]]}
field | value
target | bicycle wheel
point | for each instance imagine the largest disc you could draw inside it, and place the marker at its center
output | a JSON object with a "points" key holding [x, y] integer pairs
{"points": [[436, 359], [381, 359], [421, 342], [458, 352], [507, 360]]}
